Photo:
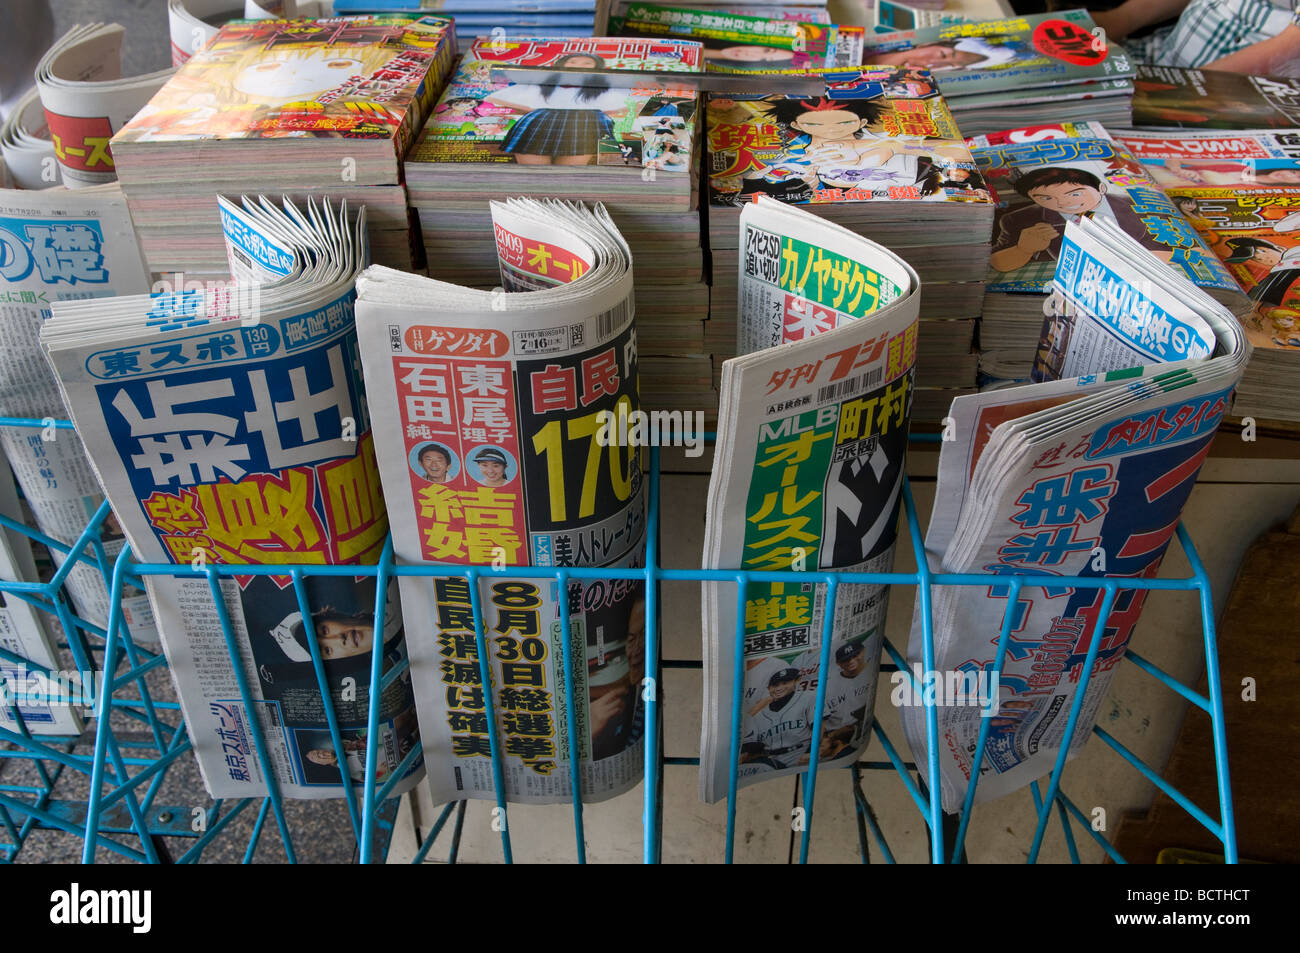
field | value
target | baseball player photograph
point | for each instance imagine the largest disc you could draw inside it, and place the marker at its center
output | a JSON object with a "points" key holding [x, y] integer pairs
{"points": [[779, 732], [850, 691]]}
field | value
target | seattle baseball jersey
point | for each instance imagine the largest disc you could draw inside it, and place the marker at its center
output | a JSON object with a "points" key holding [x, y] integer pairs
{"points": [[790, 727]]}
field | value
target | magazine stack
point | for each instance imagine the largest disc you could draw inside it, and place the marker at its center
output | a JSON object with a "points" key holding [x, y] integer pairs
{"points": [[875, 151], [504, 18], [1241, 191], [324, 107], [1045, 176], [1053, 67], [622, 138], [750, 42]]}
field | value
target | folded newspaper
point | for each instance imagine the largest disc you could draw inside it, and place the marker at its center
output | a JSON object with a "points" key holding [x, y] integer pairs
{"points": [[495, 428], [58, 245], [228, 425], [808, 471], [86, 99], [32, 692], [1084, 474]]}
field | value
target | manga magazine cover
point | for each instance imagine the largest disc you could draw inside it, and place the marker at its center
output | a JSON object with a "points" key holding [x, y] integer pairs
{"points": [[479, 120], [1045, 176], [362, 78], [1256, 232], [1181, 159], [1044, 50], [876, 135]]}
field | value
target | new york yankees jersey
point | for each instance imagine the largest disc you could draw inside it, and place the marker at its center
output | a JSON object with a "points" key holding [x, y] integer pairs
{"points": [[844, 696]]}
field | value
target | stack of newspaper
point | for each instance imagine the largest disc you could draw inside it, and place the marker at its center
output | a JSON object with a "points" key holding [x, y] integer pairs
{"points": [[26, 691], [747, 41], [808, 472], [305, 107], [229, 426], [507, 18], [622, 138], [1046, 176], [86, 99], [1084, 474], [1168, 96], [876, 151], [59, 245], [26, 147], [1052, 67], [1241, 191], [500, 429]]}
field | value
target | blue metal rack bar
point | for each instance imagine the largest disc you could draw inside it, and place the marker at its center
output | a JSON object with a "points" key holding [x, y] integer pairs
{"points": [[126, 664]]}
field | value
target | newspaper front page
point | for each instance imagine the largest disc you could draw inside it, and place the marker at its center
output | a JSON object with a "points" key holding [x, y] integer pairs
{"points": [[228, 426], [808, 474], [60, 246], [1081, 476], [489, 409]]}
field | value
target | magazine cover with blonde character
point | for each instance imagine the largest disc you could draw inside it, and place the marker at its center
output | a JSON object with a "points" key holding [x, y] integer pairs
{"points": [[362, 77]]}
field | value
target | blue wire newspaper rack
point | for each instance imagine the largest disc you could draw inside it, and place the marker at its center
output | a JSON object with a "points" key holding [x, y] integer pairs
{"points": [[121, 808]]}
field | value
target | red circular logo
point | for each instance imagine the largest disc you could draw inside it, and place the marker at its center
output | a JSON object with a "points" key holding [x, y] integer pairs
{"points": [[1069, 42]]}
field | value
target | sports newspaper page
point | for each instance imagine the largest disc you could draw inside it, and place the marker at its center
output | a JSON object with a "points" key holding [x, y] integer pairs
{"points": [[229, 427], [488, 409], [58, 245], [808, 475], [1083, 476]]}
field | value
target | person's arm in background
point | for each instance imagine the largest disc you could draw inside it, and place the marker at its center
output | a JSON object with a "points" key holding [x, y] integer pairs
{"points": [[1265, 57], [1136, 14]]}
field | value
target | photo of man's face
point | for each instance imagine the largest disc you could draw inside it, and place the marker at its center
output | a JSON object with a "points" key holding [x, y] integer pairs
{"points": [[339, 639], [934, 56], [780, 690], [1067, 198], [435, 464], [850, 667]]}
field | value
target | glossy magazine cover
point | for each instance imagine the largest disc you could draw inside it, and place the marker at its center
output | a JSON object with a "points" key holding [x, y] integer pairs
{"points": [[876, 135], [327, 78]]}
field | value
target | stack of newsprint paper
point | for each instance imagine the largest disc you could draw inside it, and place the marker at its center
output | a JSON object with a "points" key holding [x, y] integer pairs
{"points": [[1084, 473], [58, 245], [25, 144], [812, 437], [86, 99], [498, 430], [229, 426]]}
